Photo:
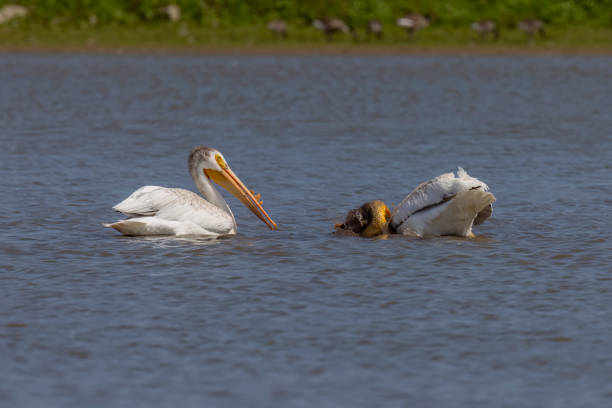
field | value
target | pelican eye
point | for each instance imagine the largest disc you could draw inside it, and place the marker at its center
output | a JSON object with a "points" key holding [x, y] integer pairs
{"points": [[220, 162]]}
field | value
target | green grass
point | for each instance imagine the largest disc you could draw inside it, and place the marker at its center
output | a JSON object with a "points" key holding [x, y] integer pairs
{"points": [[230, 25], [184, 37]]}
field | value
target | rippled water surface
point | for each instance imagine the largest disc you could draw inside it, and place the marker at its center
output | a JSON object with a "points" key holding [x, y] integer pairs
{"points": [[520, 316]]}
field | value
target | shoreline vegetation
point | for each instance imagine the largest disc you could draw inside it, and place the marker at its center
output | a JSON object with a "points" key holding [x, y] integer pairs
{"points": [[318, 27]]}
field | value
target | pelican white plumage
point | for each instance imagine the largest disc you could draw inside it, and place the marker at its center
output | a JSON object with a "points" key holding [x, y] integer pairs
{"points": [[154, 210], [446, 205]]}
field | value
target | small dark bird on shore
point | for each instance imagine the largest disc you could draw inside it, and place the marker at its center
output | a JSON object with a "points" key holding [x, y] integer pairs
{"points": [[485, 28], [278, 27], [375, 28], [532, 27], [330, 26], [413, 22]]}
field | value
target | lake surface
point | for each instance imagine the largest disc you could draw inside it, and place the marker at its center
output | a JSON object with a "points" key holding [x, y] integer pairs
{"points": [[299, 317]]}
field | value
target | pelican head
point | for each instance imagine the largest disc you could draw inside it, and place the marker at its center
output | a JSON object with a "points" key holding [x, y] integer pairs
{"points": [[369, 220], [211, 163]]}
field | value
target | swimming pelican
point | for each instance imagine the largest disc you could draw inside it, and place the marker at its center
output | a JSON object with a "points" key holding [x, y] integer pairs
{"points": [[446, 205], [156, 210]]}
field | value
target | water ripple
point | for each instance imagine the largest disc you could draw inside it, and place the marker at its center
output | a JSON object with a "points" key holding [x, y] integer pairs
{"points": [[301, 316]]}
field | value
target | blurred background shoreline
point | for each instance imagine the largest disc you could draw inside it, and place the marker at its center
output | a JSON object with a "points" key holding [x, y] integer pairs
{"points": [[312, 27]]}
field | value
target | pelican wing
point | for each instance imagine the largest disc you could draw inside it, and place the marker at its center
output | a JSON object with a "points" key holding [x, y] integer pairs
{"points": [[454, 217], [433, 192], [173, 211], [146, 201]]}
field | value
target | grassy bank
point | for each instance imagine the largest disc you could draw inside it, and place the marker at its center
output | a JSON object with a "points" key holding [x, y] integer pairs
{"points": [[241, 26], [255, 38], [355, 13]]}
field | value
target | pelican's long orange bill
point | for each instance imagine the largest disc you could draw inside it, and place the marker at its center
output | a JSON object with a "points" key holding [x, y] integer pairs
{"points": [[229, 181]]}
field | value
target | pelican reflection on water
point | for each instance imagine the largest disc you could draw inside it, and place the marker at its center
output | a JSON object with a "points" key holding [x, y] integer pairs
{"points": [[154, 210], [446, 205]]}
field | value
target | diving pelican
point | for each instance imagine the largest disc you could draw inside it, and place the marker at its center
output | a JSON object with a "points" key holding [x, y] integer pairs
{"points": [[156, 210], [446, 205]]}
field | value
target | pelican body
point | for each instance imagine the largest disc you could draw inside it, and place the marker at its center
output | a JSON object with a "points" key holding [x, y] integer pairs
{"points": [[446, 205], [154, 210]]}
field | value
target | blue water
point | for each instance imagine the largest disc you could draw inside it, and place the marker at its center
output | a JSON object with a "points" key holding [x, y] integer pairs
{"points": [[519, 316]]}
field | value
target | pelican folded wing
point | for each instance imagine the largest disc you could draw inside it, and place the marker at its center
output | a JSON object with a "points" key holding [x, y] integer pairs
{"points": [[429, 195]]}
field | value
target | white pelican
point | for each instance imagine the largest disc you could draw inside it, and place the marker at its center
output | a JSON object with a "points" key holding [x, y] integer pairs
{"points": [[446, 205], [156, 210]]}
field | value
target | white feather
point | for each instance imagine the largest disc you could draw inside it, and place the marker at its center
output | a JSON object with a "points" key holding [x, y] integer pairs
{"points": [[147, 200], [436, 207], [171, 211], [159, 226]]}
